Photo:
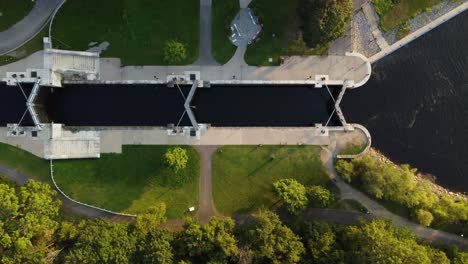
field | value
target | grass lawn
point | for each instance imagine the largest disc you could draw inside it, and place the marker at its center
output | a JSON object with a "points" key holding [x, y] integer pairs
{"points": [[403, 11], [137, 30], [130, 182], [223, 12], [25, 162], [12, 11], [35, 44], [280, 23], [243, 176]]}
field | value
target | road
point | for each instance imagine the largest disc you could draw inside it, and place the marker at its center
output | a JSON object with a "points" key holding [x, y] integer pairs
{"points": [[28, 27]]}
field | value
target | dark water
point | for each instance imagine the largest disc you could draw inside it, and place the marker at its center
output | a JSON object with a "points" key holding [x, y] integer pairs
{"points": [[158, 105], [416, 104], [13, 105]]}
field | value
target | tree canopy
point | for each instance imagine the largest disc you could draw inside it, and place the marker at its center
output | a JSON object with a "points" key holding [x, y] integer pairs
{"points": [[292, 193], [174, 52], [324, 20], [176, 158]]}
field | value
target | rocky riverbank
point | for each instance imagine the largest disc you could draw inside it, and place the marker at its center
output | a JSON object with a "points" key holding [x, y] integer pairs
{"points": [[422, 177]]}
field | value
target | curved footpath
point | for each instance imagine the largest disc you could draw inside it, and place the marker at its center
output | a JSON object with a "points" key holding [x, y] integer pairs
{"points": [[377, 210], [28, 27]]}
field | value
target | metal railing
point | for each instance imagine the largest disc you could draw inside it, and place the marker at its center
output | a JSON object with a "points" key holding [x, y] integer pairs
{"points": [[80, 203]]}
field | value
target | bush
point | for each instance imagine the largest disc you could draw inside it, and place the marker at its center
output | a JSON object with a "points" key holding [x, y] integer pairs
{"points": [[382, 7], [176, 158], [319, 196], [292, 193], [323, 21], [174, 52], [424, 217]]}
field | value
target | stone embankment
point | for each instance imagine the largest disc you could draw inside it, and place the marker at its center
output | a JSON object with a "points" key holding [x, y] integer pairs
{"points": [[421, 177]]}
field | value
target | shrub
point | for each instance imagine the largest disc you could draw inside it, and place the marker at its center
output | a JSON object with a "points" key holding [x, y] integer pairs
{"points": [[292, 193], [424, 217], [319, 196], [174, 52], [382, 7], [176, 158]]}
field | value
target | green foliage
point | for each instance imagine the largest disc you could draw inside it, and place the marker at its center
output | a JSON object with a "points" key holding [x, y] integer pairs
{"points": [[403, 30], [101, 242], [176, 158], [320, 241], [399, 184], [149, 221], [382, 7], [345, 169], [28, 220], [379, 241], [292, 193], [324, 20], [155, 247], [319, 196], [273, 242], [174, 52], [424, 217], [213, 242]]}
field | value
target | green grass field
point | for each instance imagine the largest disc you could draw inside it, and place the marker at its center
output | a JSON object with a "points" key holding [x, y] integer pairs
{"points": [[35, 44], [137, 30], [280, 24], [25, 162], [243, 176], [404, 10], [13, 11], [223, 12], [130, 182]]}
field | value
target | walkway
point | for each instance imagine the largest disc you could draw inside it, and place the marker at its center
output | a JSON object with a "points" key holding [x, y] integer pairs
{"points": [[206, 208], [348, 192], [29, 27], [373, 20], [204, 56], [437, 22]]}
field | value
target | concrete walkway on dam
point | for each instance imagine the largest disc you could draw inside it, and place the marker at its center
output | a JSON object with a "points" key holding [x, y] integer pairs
{"points": [[301, 69], [113, 138]]}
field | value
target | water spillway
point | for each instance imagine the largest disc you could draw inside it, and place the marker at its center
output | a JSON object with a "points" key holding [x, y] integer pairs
{"points": [[159, 105]]}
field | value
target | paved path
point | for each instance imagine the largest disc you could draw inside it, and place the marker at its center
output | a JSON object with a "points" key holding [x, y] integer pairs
{"points": [[67, 205], [373, 20], [29, 27], [206, 208], [348, 192], [205, 57], [437, 22]]}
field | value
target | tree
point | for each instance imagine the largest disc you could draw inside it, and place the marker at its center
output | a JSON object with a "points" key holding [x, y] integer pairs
{"points": [[28, 221], [345, 169], [324, 20], [101, 242], [213, 242], [271, 241], [320, 239], [319, 196], [174, 52], [149, 221], [292, 193], [156, 247], [424, 217], [176, 158], [379, 241]]}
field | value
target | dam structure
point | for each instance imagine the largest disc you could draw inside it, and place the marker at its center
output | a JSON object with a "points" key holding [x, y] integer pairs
{"points": [[71, 104]]}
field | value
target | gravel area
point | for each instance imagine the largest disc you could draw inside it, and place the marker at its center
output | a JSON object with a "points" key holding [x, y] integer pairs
{"points": [[424, 18], [364, 42]]}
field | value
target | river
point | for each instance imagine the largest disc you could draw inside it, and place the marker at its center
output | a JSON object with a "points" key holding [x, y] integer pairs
{"points": [[416, 104]]}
